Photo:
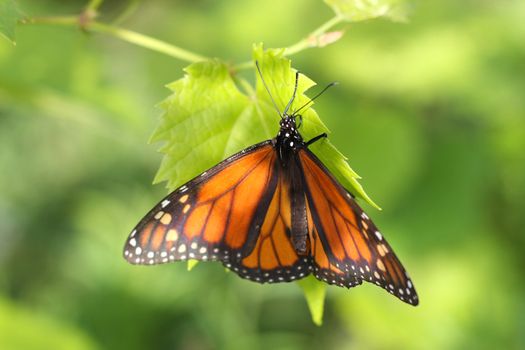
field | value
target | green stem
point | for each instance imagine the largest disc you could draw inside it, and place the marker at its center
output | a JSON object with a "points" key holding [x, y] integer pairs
{"points": [[306, 43], [147, 42], [123, 34], [59, 20], [301, 45], [243, 65], [93, 5]]}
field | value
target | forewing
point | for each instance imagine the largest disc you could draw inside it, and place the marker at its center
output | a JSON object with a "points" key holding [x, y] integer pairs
{"points": [[350, 243], [212, 217]]}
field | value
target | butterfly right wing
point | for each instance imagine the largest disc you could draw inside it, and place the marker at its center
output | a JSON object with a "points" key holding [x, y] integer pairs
{"points": [[212, 217], [347, 247]]}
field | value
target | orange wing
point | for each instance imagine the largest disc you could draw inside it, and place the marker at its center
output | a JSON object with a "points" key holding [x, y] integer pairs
{"points": [[273, 258], [215, 216], [346, 246], [323, 268]]}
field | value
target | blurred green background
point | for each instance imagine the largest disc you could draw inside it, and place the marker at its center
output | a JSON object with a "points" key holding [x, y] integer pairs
{"points": [[431, 113]]}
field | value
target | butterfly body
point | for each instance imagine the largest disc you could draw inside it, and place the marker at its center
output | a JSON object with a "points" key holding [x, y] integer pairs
{"points": [[271, 213], [287, 144]]}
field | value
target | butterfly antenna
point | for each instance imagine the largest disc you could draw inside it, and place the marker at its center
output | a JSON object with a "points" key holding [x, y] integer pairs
{"points": [[316, 96], [294, 92], [268, 90]]}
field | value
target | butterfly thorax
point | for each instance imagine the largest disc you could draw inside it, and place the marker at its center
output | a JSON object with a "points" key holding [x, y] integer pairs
{"points": [[288, 139]]}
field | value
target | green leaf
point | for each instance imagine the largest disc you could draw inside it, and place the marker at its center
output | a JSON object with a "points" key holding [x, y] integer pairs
{"points": [[203, 122], [360, 10], [314, 292], [280, 77], [10, 14], [207, 118], [192, 263]]}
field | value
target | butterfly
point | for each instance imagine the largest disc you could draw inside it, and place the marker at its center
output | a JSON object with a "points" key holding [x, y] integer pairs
{"points": [[272, 213]]}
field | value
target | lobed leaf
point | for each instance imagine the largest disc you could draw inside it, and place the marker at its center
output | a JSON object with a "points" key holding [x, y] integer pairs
{"points": [[207, 118]]}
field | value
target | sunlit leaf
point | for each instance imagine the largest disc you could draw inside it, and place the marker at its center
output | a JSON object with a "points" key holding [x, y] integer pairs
{"points": [[10, 14], [207, 118], [359, 10], [314, 292], [200, 124], [192, 263]]}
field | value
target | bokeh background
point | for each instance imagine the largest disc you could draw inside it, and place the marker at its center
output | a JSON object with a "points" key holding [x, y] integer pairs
{"points": [[431, 113]]}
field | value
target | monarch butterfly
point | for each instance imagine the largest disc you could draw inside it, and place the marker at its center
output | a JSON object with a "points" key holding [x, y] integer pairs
{"points": [[271, 213]]}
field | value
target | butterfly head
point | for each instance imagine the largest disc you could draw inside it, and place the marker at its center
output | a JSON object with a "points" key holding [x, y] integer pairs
{"points": [[288, 139], [289, 128]]}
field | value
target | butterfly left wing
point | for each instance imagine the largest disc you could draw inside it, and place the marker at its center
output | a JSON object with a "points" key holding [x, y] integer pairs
{"points": [[237, 212], [350, 247], [213, 216]]}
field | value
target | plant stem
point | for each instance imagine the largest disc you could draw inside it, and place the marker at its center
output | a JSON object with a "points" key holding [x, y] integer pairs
{"points": [[306, 43], [147, 42], [301, 45], [123, 34], [59, 20], [86, 22], [93, 5]]}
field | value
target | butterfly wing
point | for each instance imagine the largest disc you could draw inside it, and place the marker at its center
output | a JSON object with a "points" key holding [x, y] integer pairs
{"points": [[237, 212], [212, 217], [325, 269], [273, 257], [347, 248]]}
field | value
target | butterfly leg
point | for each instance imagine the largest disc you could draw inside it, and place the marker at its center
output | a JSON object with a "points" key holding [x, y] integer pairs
{"points": [[317, 138]]}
